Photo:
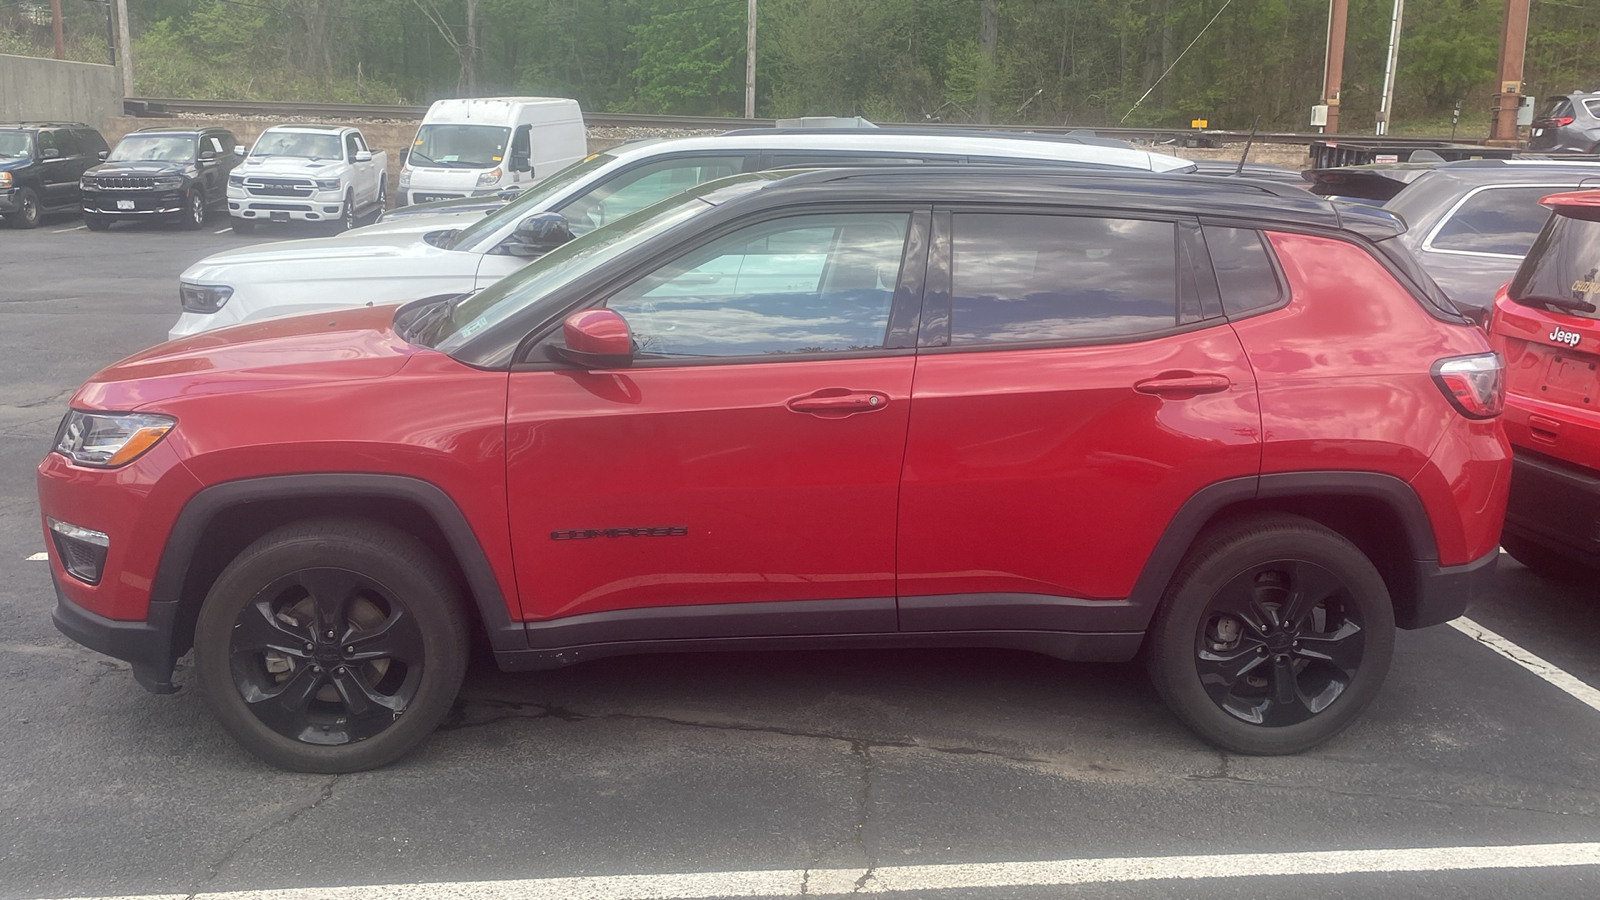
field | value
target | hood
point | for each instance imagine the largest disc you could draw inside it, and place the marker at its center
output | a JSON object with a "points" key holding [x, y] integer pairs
{"points": [[342, 345], [360, 243], [294, 165], [422, 224], [140, 167], [6, 165]]}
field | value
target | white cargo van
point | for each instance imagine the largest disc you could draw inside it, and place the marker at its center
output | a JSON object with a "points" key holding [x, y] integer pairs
{"points": [[489, 144]]}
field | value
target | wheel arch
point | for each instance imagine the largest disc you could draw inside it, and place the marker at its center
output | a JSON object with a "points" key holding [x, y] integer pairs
{"points": [[221, 520], [1381, 514]]}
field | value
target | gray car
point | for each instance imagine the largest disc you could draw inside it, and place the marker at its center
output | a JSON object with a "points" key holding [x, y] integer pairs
{"points": [[1568, 124], [1469, 222]]}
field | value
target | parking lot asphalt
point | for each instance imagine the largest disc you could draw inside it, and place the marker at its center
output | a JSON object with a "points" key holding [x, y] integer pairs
{"points": [[756, 774]]}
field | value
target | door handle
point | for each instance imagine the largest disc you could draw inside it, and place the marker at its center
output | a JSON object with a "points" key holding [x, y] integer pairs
{"points": [[836, 402], [1188, 383]]}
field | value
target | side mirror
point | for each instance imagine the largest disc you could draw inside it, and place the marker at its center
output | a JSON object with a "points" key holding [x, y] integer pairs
{"points": [[50, 153], [405, 155], [208, 155], [539, 234], [521, 164], [595, 339], [103, 154], [362, 156], [240, 150]]}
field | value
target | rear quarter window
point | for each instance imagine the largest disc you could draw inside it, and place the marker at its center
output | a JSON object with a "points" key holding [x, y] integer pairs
{"points": [[1495, 220], [1246, 275]]}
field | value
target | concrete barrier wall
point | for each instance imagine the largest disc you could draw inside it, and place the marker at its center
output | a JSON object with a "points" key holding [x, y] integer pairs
{"points": [[57, 90]]}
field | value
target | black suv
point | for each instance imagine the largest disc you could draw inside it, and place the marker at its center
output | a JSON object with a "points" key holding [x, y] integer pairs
{"points": [[40, 164], [162, 173]]}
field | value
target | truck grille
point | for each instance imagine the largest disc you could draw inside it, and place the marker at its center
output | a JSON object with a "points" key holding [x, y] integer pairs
{"points": [[126, 182], [278, 187]]}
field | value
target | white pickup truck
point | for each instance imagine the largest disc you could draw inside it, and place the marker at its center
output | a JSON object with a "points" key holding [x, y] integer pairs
{"points": [[308, 173]]}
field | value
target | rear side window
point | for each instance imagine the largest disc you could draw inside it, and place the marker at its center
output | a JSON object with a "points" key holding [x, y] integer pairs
{"points": [[1564, 266], [1026, 278], [1246, 275], [90, 141], [1593, 106], [1498, 220]]}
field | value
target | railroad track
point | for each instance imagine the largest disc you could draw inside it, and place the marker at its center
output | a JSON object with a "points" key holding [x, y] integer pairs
{"points": [[167, 108]]}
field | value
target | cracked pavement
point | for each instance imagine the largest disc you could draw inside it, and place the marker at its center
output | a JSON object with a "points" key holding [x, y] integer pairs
{"points": [[824, 763]]}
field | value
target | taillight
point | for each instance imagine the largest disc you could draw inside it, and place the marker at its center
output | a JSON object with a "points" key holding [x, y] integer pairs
{"points": [[1475, 385], [1554, 122]]}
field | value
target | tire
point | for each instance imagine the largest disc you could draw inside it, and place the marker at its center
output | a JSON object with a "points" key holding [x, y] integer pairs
{"points": [[96, 223], [383, 201], [28, 212], [347, 220], [241, 226], [1543, 561], [331, 645], [1316, 673], [194, 215]]}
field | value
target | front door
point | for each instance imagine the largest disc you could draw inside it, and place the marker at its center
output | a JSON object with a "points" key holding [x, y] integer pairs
{"points": [[751, 454]]}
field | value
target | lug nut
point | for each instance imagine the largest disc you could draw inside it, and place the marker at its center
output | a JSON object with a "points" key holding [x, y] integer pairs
{"points": [[350, 649]]}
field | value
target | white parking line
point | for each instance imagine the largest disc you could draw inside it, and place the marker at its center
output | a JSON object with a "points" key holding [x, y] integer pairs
{"points": [[1535, 664], [65, 230], [903, 879], [223, 230], [41, 556]]}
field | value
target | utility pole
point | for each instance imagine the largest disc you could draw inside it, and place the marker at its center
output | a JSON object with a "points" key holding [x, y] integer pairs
{"points": [[123, 49], [1333, 75], [55, 26], [1387, 109], [1513, 45], [750, 60]]}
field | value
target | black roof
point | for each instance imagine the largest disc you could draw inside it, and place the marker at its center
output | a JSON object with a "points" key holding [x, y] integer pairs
{"points": [[1211, 196]]}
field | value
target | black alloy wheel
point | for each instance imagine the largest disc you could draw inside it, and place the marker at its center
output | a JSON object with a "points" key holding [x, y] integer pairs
{"points": [[331, 646], [28, 212], [195, 213], [1277, 632]]}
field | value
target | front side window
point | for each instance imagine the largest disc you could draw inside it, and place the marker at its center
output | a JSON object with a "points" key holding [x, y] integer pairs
{"points": [[527, 202], [795, 286], [1498, 220], [47, 141], [635, 189], [1020, 278]]}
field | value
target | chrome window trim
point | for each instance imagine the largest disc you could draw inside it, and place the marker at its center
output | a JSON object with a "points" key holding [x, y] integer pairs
{"points": [[1427, 243]]}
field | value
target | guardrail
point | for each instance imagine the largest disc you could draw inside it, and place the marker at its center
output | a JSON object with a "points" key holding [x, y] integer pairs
{"points": [[158, 107]]}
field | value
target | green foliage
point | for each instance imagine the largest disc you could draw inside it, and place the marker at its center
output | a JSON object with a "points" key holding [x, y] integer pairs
{"points": [[1081, 62]]}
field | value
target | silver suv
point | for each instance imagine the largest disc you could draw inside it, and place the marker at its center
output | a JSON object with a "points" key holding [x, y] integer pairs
{"points": [[1569, 123]]}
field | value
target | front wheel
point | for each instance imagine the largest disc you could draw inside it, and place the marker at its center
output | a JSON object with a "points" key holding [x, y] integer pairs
{"points": [[1275, 634], [242, 226], [348, 220], [95, 222], [28, 211], [331, 646], [195, 215]]}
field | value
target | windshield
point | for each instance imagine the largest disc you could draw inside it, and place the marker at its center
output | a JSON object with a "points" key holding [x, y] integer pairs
{"points": [[303, 144], [528, 201], [14, 145], [577, 257], [168, 147], [459, 146], [1564, 266]]}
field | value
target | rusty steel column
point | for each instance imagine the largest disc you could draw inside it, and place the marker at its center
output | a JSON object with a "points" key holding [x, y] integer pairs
{"points": [[1333, 75], [1513, 44], [55, 26]]}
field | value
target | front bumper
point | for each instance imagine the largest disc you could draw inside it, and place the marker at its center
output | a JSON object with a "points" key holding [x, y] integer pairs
{"points": [[146, 645], [1556, 505], [9, 202], [142, 204], [286, 209]]}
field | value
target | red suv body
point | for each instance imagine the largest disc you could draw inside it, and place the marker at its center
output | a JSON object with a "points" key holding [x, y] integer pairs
{"points": [[1227, 421], [1547, 326]]}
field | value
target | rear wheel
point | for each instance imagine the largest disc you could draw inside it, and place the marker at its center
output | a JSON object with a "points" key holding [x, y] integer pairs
{"points": [[331, 646], [1275, 634], [242, 226]]}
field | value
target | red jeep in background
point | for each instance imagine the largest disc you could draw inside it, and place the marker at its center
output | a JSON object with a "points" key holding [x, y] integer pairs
{"points": [[1546, 324], [1225, 422]]}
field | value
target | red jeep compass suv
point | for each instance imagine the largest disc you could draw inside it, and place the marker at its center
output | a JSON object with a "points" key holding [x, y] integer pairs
{"points": [[1224, 422], [1545, 325]]}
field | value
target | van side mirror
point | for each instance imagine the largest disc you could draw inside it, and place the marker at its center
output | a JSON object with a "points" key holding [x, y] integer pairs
{"points": [[539, 234], [521, 164], [595, 339], [405, 155]]}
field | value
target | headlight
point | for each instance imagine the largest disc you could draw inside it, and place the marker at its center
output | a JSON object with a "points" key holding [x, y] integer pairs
{"points": [[405, 177], [87, 181], [235, 181], [109, 440], [203, 298], [327, 184], [490, 177], [169, 181], [5, 181]]}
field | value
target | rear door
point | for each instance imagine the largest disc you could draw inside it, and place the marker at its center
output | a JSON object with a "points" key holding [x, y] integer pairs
{"points": [[1076, 384]]}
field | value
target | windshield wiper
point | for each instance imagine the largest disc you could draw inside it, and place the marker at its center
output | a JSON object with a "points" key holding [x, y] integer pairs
{"points": [[1561, 303], [425, 322]]}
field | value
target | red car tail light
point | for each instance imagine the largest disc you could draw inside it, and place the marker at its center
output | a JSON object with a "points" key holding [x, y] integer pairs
{"points": [[1475, 385], [1554, 122]]}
